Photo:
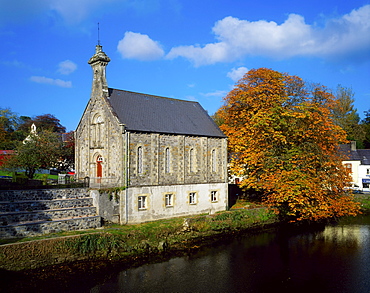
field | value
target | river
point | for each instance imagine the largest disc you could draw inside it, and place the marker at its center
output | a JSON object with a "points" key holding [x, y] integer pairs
{"points": [[329, 258]]}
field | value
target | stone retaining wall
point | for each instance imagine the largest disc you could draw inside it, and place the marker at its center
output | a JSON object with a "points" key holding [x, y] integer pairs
{"points": [[35, 229], [46, 215], [25, 213], [43, 194], [6, 207]]}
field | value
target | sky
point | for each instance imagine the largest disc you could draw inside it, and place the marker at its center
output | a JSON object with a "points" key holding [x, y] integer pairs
{"points": [[186, 49]]}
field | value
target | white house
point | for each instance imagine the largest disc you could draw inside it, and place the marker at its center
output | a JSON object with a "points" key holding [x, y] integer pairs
{"points": [[358, 162]]}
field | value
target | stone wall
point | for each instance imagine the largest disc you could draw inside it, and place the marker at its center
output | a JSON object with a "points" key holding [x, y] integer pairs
{"points": [[47, 227], [190, 159], [34, 212], [42, 194]]}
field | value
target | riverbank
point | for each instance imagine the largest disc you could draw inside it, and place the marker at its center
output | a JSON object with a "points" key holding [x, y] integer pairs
{"points": [[117, 242], [132, 242]]}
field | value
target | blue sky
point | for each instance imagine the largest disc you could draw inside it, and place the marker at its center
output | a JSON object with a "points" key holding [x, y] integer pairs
{"points": [[185, 49]]}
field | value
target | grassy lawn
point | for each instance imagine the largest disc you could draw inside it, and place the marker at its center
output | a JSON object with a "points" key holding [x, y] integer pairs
{"points": [[37, 176]]}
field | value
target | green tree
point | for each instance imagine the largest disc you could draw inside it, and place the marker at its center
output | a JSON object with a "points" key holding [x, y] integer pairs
{"points": [[68, 152], [217, 119], [43, 122], [366, 127], [345, 114], [9, 123], [43, 150], [283, 142]]}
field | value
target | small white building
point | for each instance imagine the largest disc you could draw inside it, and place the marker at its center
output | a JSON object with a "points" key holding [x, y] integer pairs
{"points": [[358, 163]]}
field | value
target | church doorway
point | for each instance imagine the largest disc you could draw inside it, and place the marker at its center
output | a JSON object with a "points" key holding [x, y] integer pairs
{"points": [[99, 168]]}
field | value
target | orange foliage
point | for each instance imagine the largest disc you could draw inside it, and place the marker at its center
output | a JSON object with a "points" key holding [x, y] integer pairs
{"points": [[283, 141]]}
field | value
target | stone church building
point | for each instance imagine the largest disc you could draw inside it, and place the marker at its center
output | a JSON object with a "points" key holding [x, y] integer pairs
{"points": [[168, 153]]}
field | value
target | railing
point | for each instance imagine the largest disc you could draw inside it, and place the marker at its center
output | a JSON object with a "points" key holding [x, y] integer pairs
{"points": [[98, 182]]}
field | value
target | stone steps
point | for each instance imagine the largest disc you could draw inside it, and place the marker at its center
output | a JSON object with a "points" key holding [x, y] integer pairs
{"points": [[46, 215], [46, 227], [35, 212], [35, 205], [42, 194]]}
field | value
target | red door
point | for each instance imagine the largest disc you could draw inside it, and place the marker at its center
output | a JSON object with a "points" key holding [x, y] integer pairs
{"points": [[99, 168]]}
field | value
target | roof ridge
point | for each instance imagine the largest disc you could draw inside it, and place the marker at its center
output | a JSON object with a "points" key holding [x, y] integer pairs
{"points": [[154, 96]]}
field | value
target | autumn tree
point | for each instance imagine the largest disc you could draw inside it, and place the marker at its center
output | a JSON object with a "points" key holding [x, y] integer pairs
{"points": [[43, 150], [284, 143]]}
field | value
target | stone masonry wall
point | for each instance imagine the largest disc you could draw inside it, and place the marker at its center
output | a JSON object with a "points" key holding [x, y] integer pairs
{"points": [[42, 194], [190, 159], [35, 212]]}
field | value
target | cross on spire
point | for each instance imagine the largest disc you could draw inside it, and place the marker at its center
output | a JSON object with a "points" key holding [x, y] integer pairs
{"points": [[98, 34]]}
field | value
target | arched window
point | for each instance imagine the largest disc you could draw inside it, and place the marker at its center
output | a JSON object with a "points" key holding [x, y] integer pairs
{"points": [[167, 160], [140, 160], [191, 160], [97, 130], [213, 161]]}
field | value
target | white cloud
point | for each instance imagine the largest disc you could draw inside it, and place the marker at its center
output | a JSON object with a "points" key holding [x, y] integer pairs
{"points": [[51, 81], [237, 73], [215, 94], [139, 46], [343, 37], [66, 67]]}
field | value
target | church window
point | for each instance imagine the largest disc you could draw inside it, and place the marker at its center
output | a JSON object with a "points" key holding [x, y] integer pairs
{"points": [[213, 161], [97, 130], [191, 160], [167, 160], [140, 160]]}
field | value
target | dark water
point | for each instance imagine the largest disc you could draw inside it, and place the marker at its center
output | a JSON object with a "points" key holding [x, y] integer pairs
{"points": [[334, 258], [331, 258]]}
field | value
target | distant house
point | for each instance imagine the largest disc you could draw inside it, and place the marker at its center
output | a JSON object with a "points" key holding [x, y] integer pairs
{"points": [[4, 155], [168, 153], [358, 162]]}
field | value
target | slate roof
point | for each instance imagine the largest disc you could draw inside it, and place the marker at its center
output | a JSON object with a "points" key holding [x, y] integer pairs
{"points": [[362, 155], [148, 113]]}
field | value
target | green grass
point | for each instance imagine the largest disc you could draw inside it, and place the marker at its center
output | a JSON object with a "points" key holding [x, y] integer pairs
{"points": [[37, 175], [168, 228], [364, 200]]}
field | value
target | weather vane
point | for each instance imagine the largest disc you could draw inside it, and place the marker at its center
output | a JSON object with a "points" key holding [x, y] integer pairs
{"points": [[98, 34]]}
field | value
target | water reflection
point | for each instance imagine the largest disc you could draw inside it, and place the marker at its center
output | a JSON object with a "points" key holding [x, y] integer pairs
{"points": [[333, 259]]}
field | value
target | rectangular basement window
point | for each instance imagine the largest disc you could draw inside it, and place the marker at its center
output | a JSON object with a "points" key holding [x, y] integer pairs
{"points": [[142, 204], [169, 200], [192, 197], [213, 196]]}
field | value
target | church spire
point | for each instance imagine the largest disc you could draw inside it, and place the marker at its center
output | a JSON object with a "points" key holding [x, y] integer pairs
{"points": [[98, 62]]}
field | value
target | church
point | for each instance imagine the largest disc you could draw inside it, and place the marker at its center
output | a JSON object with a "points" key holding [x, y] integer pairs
{"points": [[168, 155]]}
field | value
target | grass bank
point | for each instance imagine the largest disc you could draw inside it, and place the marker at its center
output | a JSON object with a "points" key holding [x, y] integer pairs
{"points": [[130, 243]]}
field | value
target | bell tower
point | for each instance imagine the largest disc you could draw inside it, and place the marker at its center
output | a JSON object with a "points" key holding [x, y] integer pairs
{"points": [[99, 62]]}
